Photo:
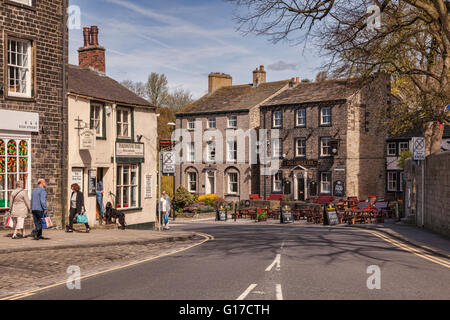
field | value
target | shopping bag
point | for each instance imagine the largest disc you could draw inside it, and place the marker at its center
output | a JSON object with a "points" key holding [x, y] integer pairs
{"points": [[9, 222], [166, 218], [46, 222], [82, 218]]}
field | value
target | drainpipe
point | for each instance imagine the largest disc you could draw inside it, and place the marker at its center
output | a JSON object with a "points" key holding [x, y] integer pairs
{"points": [[114, 134], [64, 124]]}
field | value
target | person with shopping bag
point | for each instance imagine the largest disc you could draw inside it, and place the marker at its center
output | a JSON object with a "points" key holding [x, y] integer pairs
{"points": [[165, 209], [20, 205], [39, 208], [77, 210]]}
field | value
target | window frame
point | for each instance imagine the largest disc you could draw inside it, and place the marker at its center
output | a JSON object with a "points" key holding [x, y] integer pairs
{"points": [[234, 142], [95, 104], [321, 116], [138, 185], [400, 146], [297, 125], [191, 121], [321, 154], [31, 4], [388, 149], [191, 152], [130, 123], [29, 96], [190, 181], [235, 119], [296, 140], [210, 150], [280, 181], [231, 183], [274, 119], [209, 123], [321, 182], [395, 181]]}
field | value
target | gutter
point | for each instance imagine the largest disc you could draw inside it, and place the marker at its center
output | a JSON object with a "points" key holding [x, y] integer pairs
{"points": [[64, 107]]}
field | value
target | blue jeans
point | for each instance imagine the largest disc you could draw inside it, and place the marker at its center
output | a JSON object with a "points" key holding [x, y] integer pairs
{"points": [[100, 203], [37, 216]]}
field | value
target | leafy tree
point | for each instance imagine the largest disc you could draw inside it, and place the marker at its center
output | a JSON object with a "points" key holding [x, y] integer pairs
{"points": [[412, 44], [405, 154], [182, 199]]}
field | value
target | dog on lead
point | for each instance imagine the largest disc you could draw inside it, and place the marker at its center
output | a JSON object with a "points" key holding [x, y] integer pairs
{"points": [[112, 213]]}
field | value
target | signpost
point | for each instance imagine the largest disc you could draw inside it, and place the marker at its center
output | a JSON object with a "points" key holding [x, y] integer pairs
{"points": [[419, 155], [168, 159]]}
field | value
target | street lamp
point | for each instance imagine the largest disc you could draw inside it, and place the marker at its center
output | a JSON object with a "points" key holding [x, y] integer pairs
{"points": [[172, 124]]}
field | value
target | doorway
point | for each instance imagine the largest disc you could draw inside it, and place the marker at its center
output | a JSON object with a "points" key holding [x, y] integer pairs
{"points": [[210, 182], [301, 189]]}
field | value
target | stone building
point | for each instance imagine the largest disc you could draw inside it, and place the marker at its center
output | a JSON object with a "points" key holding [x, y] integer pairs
{"points": [[33, 50], [330, 142], [226, 108], [112, 139]]}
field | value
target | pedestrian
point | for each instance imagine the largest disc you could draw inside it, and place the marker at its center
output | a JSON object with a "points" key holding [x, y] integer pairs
{"points": [[99, 195], [76, 207], [20, 209], [39, 208], [165, 209]]}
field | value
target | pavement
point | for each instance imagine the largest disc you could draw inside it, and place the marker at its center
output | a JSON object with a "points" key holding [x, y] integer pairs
{"points": [[272, 262]]}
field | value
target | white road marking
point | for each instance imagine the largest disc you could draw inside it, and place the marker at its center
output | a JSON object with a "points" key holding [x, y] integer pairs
{"points": [[279, 292], [276, 262], [246, 292]]}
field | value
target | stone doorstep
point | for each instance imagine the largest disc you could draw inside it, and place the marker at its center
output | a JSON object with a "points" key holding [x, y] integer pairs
{"points": [[400, 237], [190, 236]]}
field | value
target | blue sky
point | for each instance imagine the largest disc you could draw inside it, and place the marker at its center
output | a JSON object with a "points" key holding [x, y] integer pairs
{"points": [[185, 40]]}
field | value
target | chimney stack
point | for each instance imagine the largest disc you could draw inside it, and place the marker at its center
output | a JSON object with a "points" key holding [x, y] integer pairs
{"points": [[218, 80], [259, 76], [92, 55]]}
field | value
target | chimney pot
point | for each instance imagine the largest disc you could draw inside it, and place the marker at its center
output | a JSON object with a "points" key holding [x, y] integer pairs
{"points": [[216, 80], [259, 76], [87, 36], [94, 35], [92, 55]]}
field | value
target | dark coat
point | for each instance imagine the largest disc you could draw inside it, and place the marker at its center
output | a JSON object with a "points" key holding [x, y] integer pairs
{"points": [[80, 201]]}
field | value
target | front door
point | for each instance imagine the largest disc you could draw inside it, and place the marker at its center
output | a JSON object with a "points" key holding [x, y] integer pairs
{"points": [[301, 189], [210, 183]]}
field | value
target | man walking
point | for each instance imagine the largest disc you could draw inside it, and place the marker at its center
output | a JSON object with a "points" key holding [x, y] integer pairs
{"points": [[39, 208], [165, 209]]}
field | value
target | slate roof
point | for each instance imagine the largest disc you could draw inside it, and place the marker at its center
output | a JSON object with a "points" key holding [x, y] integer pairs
{"points": [[306, 92], [234, 98], [94, 84]]}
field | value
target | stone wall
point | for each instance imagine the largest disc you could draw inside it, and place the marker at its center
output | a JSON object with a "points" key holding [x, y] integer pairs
{"points": [[436, 192]]}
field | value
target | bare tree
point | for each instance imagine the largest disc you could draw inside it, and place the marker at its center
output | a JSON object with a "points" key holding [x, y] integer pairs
{"points": [[321, 76], [157, 89], [178, 99], [412, 44], [137, 87]]}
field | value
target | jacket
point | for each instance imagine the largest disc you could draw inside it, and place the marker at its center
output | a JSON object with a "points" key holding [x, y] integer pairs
{"points": [[39, 199], [79, 201], [21, 206]]}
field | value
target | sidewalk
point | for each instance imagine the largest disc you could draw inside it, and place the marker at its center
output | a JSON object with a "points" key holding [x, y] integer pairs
{"points": [[419, 237], [96, 238]]}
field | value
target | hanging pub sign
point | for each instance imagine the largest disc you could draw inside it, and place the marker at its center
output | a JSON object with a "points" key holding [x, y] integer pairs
{"points": [[92, 182], [165, 145], [87, 139], [286, 215], [339, 189]]}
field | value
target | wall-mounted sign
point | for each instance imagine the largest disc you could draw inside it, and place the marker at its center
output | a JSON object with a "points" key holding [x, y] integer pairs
{"points": [[419, 148], [165, 145], [92, 182], [130, 149], [339, 189], [77, 177], [148, 186], [19, 121], [87, 139], [303, 163]]}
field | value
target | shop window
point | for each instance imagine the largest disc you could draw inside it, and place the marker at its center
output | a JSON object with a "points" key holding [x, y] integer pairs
{"points": [[127, 186], [14, 165]]}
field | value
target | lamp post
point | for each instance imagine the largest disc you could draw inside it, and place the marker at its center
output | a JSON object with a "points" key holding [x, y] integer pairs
{"points": [[173, 125]]}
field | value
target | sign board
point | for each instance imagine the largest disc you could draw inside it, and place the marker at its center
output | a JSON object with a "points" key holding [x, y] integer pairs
{"points": [[148, 186], [418, 148], [87, 139], [165, 145], [339, 189], [168, 162], [19, 121], [222, 215], [286, 215], [303, 163], [77, 177], [130, 149], [92, 182], [330, 217]]}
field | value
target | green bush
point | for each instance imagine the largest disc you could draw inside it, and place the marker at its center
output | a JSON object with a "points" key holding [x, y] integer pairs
{"points": [[182, 199]]}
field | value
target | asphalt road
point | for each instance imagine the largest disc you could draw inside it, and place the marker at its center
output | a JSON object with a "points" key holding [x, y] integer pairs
{"points": [[260, 262]]}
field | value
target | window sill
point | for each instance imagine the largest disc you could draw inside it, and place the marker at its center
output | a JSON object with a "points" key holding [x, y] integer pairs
{"points": [[325, 125], [231, 195], [101, 138], [121, 139], [21, 5], [299, 126], [19, 98], [128, 210]]}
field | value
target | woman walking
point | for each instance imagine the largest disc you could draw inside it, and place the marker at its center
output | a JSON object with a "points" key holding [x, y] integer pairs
{"points": [[76, 207], [20, 209]]}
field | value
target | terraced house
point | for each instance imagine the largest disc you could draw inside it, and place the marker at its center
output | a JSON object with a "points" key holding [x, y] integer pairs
{"points": [[33, 51], [225, 108], [330, 141]]}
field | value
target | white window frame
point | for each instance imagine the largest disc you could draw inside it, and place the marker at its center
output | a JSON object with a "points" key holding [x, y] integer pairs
{"points": [[325, 142], [232, 151], [325, 119], [120, 123], [5, 192], [191, 124], [277, 182], [277, 121], [389, 148], [210, 121], [233, 180], [191, 152], [16, 68], [325, 182], [97, 119], [400, 148], [192, 181], [392, 183], [297, 117], [277, 148], [232, 122], [211, 149], [129, 185], [297, 146]]}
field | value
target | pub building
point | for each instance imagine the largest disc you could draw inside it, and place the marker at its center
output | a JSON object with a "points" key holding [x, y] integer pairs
{"points": [[32, 105], [330, 142], [112, 139]]}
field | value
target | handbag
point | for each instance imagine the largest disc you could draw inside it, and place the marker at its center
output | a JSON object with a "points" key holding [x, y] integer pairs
{"points": [[46, 222], [82, 218], [8, 219]]}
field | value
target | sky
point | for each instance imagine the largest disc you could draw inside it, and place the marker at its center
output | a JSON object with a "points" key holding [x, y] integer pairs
{"points": [[185, 40]]}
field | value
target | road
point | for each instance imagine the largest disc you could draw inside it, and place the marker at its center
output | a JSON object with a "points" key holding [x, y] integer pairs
{"points": [[269, 262]]}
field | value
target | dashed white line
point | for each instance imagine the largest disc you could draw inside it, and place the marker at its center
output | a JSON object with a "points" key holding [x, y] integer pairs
{"points": [[276, 262], [279, 292], [247, 292]]}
